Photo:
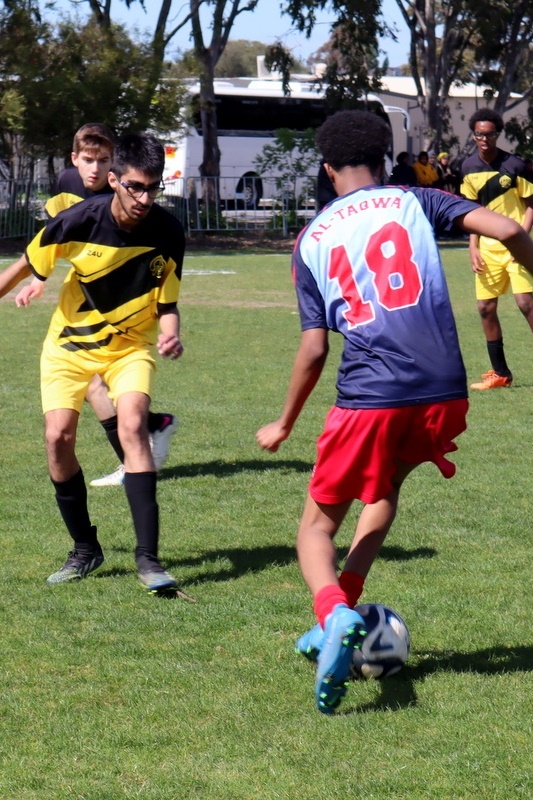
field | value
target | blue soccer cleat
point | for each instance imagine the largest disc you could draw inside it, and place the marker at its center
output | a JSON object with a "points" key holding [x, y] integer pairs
{"points": [[310, 644], [344, 632]]}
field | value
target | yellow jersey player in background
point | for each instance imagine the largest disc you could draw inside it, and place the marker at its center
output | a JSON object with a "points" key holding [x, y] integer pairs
{"points": [[497, 180]]}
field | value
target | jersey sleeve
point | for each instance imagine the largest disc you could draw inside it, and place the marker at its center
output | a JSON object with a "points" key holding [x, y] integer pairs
{"points": [[310, 301], [467, 189], [44, 250], [171, 283], [525, 187], [443, 208]]}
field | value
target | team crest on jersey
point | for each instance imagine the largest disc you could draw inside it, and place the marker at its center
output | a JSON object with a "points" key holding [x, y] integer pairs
{"points": [[505, 181], [157, 266]]}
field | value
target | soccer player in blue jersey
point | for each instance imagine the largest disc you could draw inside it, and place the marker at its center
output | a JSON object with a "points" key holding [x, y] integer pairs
{"points": [[368, 267], [126, 254]]}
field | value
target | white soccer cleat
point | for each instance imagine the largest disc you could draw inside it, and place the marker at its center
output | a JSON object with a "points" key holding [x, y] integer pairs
{"points": [[115, 478], [160, 440]]}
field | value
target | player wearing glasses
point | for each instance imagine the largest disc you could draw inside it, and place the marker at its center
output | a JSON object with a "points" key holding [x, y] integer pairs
{"points": [[126, 254], [92, 156], [498, 180]]}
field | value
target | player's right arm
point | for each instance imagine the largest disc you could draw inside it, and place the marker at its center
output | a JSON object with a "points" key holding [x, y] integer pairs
{"points": [[484, 222], [30, 292], [307, 368], [13, 275]]}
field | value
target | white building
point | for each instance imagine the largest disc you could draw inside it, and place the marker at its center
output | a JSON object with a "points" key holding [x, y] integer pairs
{"points": [[463, 101]]}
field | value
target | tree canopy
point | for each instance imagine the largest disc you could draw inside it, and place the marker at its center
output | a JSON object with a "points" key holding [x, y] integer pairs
{"points": [[55, 78]]}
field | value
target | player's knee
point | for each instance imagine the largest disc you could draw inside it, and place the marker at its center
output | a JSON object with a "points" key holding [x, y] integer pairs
{"points": [[132, 429], [487, 309], [525, 304], [59, 439]]}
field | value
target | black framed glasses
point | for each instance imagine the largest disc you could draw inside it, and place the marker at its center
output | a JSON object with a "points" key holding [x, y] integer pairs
{"points": [[490, 135], [136, 190]]}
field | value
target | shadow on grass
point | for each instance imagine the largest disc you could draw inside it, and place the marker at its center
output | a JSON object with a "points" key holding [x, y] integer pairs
{"points": [[399, 691], [394, 553], [223, 469], [245, 561]]}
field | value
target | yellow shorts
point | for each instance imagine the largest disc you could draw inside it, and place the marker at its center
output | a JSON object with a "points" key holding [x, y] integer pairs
{"points": [[65, 375], [501, 272]]}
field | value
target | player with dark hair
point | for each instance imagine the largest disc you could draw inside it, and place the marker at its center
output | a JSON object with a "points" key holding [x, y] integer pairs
{"points": [[92, 156], [126, 254], [368, 267], [500, 181]]}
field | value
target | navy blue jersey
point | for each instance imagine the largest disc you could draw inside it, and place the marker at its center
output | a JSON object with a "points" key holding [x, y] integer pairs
{"points": [[70, 190], [368, 267]]}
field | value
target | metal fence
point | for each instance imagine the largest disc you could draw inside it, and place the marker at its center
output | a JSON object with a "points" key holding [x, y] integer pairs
{"points": [[226, 204]]}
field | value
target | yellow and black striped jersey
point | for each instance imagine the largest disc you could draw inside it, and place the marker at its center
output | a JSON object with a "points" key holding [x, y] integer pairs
{"points": [[70, 190], [503, 186], [118, 277]]}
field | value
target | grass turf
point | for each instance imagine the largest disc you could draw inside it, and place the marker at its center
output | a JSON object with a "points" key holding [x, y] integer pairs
{"points": [[108, 693]]}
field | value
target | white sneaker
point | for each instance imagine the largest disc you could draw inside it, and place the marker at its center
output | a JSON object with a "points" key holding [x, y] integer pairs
{"points": [[160, 440], [115, 478]]}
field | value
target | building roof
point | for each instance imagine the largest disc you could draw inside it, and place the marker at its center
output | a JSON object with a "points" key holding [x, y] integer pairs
{"points": [[405, 85]]}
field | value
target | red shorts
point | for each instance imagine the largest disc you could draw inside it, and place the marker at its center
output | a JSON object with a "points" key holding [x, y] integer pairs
{"points": [[358, 451]]}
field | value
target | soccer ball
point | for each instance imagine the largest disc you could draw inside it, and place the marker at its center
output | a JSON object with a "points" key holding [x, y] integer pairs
{"points": [[385, 648]]}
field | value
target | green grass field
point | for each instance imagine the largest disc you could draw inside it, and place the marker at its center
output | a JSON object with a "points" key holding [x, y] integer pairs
{"points": [[108, 693]]}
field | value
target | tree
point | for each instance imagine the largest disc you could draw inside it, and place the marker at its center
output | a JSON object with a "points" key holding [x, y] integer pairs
{"points": [[352, 66], [465, 40], [291, 155], [451, 41], [503, 51], [207, 54], [54, 79], [225, 13], [23, 44], [239, 59]]}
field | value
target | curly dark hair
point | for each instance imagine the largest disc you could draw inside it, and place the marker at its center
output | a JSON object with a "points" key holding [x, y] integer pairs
{"points": [[354, 138], [486, 115]]}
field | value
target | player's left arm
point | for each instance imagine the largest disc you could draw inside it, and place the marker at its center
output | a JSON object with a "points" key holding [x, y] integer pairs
{"points": [[169, 342]]}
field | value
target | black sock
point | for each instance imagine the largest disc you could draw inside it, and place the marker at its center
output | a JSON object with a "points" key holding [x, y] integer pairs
{"points": [[155, 421], [71, 497], [141, 493], [110, 427], [497, 358]]}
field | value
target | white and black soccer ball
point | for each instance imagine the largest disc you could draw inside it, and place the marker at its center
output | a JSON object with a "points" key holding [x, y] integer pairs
{"points": [[386, 646]]}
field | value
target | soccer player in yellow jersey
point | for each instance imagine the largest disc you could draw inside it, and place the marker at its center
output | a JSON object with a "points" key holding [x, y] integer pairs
{"points": [[499, 181], [92, 156], [126, 254]]}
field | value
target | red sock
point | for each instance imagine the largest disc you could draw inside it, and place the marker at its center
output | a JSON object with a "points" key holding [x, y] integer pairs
{"points": [[352, 583], [325, 601]]}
